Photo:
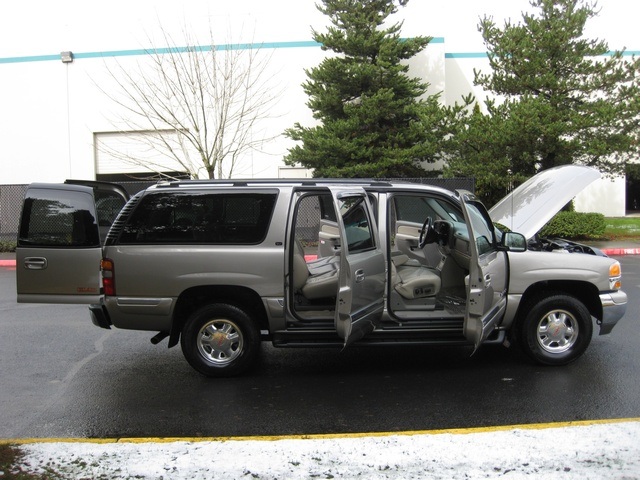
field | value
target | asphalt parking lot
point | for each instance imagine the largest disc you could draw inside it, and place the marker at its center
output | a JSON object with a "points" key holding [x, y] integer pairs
{"points": [[63, 377]]}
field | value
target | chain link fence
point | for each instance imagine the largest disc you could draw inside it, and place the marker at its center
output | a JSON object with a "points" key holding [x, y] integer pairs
{"points": [[11, 197]]}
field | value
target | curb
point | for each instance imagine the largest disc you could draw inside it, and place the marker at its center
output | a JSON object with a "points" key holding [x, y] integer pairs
{"points": [[325, 436], [621, 251]]}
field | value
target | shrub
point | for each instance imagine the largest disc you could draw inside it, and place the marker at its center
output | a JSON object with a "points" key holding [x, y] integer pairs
{"points": [[575, 225], [6, 246]]}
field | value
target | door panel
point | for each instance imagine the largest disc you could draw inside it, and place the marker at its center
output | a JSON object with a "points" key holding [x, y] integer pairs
{"points": [[407, 238], [360, 300], [59, 252], [488, 274], [328, 238]]}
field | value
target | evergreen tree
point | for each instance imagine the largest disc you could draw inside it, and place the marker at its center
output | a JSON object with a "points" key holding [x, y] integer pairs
{"points": [[372, 119], [563, 99]]}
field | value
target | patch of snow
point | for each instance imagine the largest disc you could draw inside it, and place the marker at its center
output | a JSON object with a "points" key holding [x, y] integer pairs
{"points": [[597, 451]]}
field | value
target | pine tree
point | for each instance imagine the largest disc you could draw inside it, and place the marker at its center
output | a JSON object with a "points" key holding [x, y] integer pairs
{"points": [[562, 99], [372, 118]]}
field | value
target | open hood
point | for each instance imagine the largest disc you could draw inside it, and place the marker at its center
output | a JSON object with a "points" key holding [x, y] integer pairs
{"points": [[530, 206]]}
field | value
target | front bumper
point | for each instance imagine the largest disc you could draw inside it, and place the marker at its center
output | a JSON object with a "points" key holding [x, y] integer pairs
{"points": [[614, 305]]}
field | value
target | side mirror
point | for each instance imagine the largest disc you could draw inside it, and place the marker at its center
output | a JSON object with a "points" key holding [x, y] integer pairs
{"points": [[514, 242]]}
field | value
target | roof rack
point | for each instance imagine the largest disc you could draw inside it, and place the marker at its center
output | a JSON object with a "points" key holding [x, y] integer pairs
{"points": [[305, 182]]}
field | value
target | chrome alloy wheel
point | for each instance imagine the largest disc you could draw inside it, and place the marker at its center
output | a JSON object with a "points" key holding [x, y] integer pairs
{"points": [[220, 341], [557, 331]]}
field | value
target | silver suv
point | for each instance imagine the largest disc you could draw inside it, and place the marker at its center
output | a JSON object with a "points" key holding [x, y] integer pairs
{"points": [[220, 266]]}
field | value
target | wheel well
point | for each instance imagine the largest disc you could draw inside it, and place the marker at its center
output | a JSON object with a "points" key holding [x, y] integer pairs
{"points": [[586, 292], [196, 297]]}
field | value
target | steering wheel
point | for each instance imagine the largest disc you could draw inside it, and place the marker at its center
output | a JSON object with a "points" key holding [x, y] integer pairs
{"points": [[426, 233]]}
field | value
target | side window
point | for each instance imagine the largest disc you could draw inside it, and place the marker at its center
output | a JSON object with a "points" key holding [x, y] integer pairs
{"points": [[327, 211], [315, 226], [108, 205], [416, 208], [218, 218], [411, 208], [358, 228], [57, 218], [482, 231], [310, 212]]}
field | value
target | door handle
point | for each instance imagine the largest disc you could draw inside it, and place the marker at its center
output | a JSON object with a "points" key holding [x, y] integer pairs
{"points": [[359, 276], [35, 263], [487, 280]]}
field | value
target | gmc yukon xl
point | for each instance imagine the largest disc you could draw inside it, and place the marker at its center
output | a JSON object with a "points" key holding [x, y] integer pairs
{"points": [[219, 266]]}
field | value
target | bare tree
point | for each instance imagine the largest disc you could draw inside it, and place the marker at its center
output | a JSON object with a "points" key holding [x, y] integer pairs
{"points": [[201, 106]]}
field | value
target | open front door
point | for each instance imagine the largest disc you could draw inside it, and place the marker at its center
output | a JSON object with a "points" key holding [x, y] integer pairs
{"points": [[360, 300], [488, 273], [59, 249]]}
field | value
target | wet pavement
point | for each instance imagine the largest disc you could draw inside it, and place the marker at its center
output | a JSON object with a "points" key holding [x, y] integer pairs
{"points": [[63, 377]]}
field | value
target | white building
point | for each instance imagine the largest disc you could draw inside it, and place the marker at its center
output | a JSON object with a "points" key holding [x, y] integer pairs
{"points": [[56, 114]]}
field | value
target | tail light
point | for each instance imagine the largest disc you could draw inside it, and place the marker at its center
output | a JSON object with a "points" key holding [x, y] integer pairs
{"points": [[108, 276]]}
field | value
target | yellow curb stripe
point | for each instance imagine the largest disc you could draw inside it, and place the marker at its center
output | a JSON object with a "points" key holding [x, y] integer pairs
{"points": [[321, 436]]}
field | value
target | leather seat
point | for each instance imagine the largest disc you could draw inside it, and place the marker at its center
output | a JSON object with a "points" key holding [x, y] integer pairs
{"points": [[412, 280], [320, 265], [314, 286]]}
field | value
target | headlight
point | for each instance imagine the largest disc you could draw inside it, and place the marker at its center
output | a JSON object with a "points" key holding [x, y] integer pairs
{"points": [[615, 276]]}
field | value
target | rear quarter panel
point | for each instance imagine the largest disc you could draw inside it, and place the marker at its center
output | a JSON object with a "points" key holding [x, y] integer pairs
{"points": [[150, 278]]}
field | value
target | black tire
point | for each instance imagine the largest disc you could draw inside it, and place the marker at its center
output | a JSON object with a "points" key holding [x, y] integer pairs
{"points": [[556, 329], [220, 340]]}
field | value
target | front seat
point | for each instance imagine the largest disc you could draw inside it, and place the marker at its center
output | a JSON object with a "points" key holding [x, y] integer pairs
{"points": [[411, 280]]}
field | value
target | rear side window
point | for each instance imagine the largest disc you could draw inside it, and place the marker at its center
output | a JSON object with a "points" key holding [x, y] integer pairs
{"points": [[216, 218], [58, 218], [108, 205]]}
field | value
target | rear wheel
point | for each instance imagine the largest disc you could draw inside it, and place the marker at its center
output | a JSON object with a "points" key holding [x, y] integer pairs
{"points": [[556, 330], [220, 340]]}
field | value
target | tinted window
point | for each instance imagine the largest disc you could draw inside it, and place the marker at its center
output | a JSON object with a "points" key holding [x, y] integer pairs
{"points": [[482, 229], [327, 212], [356, 223], [108, 205], [221, 218], [57, 218], [415, 208]]}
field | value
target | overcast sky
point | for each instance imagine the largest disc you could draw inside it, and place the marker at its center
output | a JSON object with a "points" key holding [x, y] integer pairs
{"points": [[40, 27]]}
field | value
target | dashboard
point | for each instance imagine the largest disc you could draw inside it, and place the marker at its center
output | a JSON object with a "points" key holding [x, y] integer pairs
{"points": [[453, 240]]}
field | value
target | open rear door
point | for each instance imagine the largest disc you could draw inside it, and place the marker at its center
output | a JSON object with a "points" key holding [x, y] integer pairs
{"points": [[59, 248], [488, 273], [360, 300]]}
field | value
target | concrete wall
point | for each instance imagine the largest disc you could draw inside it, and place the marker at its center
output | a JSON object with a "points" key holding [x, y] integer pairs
{"points": [[51, 110], [606, 196]]}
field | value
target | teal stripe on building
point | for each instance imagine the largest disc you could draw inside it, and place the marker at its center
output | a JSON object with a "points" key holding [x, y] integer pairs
{"points": [[166, 50], [231, 46]]}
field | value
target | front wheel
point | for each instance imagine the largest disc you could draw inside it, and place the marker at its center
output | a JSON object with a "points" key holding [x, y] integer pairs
{"points": [[220, 340], [556, 330]]}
